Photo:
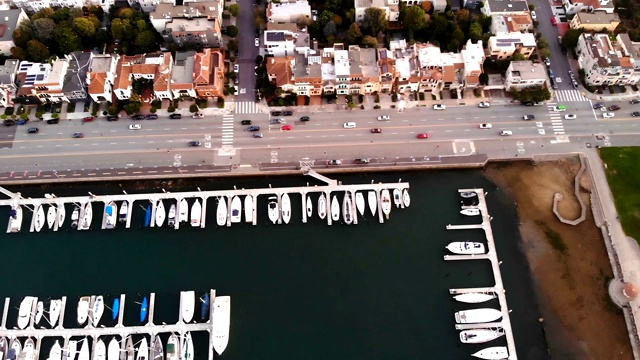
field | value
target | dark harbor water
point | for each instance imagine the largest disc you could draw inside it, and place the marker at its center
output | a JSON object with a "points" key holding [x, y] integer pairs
{"points": [[298, 291]]}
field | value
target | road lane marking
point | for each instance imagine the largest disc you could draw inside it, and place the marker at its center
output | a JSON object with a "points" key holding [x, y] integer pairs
{"points": [[136, 172]]}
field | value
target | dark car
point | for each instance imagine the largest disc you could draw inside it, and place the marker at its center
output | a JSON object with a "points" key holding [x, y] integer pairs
{"points": [[9, 123], [527, 103], [175, 116], [614, 107], [275, 121], [151, 117], [305, 118], [276, 113], [53, 121], [33, 130], [78, 135], [635, 113], [528, 117], [138, 117], [361, 161], [245, 122], [334, 162], [112, 118], [195, 143], [287, 113], [376, 130], [253, 128], [634, 101], [598, 106]]}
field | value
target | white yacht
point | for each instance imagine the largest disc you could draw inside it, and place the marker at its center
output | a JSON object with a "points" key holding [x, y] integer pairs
{"points": [[83, 309], [466, 248], [470, 212], [99, 351], [171, 222], [474, 298], [478, 336], [249, 211], [309, 206], [55, 306], [187, 347], [39, 218], [347, 209], [221, 213], [98, 310], [87, 216], [360, 203], [113, 350], [173, 347], [188, 303], [161, 213], [397, 197], [71, 350], [29, 350], [130, 351], [322, 206], [183, 211], [156, 352], [492, 353], [196, 213], [475, 316], [24, 314], [335, 209], [110, 215], [385, 202], [236, 209], [124, 211], [39, 312], [75, 216], [15, 220], [55, 353], [221, 320], [84, 350], [51, 216], [285, 205], [16, 349], [62, 213], [406, 199], [143, 350], [273, 210], [372, 200]]}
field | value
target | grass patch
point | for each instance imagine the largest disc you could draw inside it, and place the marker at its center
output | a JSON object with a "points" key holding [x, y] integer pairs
{"points": [[623, 175], [554, 239]]}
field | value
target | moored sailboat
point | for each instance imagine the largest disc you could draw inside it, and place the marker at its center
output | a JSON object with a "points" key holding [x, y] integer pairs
{"points": [[3, 347], [492, 353], [87, 216], [187, 347], [322, 206], [470, 212], [29, 350], [196, 213], [221, 320], [55, 306], [15, 218], [171, 222], [347, 209], [221, 211], [474, 298], [24, 313], [478, 336], [249, 211], [110, 215], [98, 310], [466, 248], [285, 205], [113, 350], [161, 213], [71, 350], [99, 351], [39, 312], [406, 199], [83, 309], [130, 351], [124, 211], [335, 209], [397, 197], [236, 210], [173, 347], [143, 350], [51, 216], [475, 316], [62, 213], [75, 216], [309, 206], [39, 218], [84, 350], [156, 351], [385, 202], [188, 303], [144, 309], [183, 211], [55, 353], [15, 349], [360, 203], [204, 307]]}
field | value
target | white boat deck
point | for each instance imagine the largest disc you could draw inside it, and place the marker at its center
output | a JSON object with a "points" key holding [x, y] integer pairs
{"points": [[492, 256]]}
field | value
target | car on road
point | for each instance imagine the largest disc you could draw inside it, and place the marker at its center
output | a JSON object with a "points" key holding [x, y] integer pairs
{"points": [[197, 116], [195, 143], [570, 117], [334, 162], [175, 116], [135, 127], [534, 17], [258, 135], [575, 84], [506, 133], [112, 118], [33, 130], [423, 136], [138, 117], [9, 123], [527, 103], [151, 117], [484, 104], [554, 21], [253, 128], [547, 62], [286, 127], [361, 161], [257, 41], [384, 118], [376, 131], [88, 119], [276, 121], [560, 108], [287, 113], [485, 126], [349, 125], [529, 117], [78, 135], [634, 101], [236, 68], [22, 121], [245, 122], [276, 113], [598, 106], [608, 115], [614, 107], [635, 113], [305, 118], [53, 121], [439, 107]]}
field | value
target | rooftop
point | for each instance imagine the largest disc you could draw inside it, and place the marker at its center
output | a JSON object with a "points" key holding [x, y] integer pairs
{"points": [[513, 39], [8, 71], [528, 70], [183, 68], [597, 18], [8, 23], [169, 11], [505, 6], [76, 76]]}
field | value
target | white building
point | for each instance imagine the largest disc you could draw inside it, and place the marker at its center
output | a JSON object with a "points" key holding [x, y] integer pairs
{"points": [[523, 74], [10, 20], [503, 45], [390, 7], [8, 87], [101, 77], [288, 12], [576, 6], [609, 63], [502, 7]]}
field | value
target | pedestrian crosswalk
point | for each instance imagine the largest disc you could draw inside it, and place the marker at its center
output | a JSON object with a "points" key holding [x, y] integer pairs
{"points": [[247, 107], [569, 95], [556, 120], [227, 129]]}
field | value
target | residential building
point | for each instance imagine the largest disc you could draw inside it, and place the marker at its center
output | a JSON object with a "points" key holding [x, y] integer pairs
{"points": [[41, 83], [307, 75], [390, 7], [596, 21], [387, 70], [288, 12], [280, 72], [104, 4], [575, 6], [152, 66], [523, 74], [9, 21], [33, 6], [505, 7], [8, 88], [197, 23], [209, 73], [407, 66], [609, 63], [182, 75], [146, 6], [286, 42], [511, 23], [473, 56], [503, 45], [101, 77], [75, 80]]}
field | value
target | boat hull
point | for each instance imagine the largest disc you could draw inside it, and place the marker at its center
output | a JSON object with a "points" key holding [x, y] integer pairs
{"points": [[476, 316], [474, 298], [335, 209], [221, 213], [322, 207], [385, 202], [160, 213], [479, 336], [286, 208], [347, 209], [51, 216], [492, 353], [360, 203], [309, 207], [236, 210], [248, 209], [406, 199], [397, 197], [221, 321], [466, 248], [98, 310], [273, 209], [196, 214], [188, 302], [183, 211], [39, 223]]}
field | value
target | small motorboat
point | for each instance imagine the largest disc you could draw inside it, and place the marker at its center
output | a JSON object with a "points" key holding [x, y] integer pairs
{"points": [[347, 209], [470, 212], [39, 312], [55, 306], [309, 207], [385, 202], [221, 211], [99, 351], [3, 347], [360, 203], [144, 309], [475, 316], [98, 310], [110, 215], [29, 350], [248, 209], [75, 216], [147, 216], [15, 218], [24, 314], [397, 197], [322, 206], [335, 209], [273, 210], [39, 218], [115, 309], [84, 350], [130, 351], [51, 216], [143, 350], [466, 248], [124, 211], [62, 213], [113, 350], [15, 350], [87, 216], [196, 213], [71, 350], [183, 211], [406, 199], [173, 347], [171, 222], [236, 210], [156, 351], [474, 298], [478, 336], [372, 200], [492, 353], [221, 320], [285, 205], [188, 302], [468, 194], [55, 353], [187, 347], [161, 213], [83, 309], [204, 307]]}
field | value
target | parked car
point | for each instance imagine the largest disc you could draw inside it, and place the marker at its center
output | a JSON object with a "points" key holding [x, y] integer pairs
{"points": [[197, 116], [376, 130], [506, 133], [485, 126], [634, 101], [151, 117], [257, 41], [614, 107], [175, 116], [236, 68], [554, 21], [484, 104], [547, 62], [528, 117], [33, 130], [423, 136], [570, 117], [533, 16], [112, 118], [334, 162], [276, 113], [635, 113], [253, 128], [286, 127], [21, 121], [88, 119], [8, 123], [551, 74], [53, 121], [195, 143], [78, 135], [138, 117], [559, 39], [439, 107], [575, 84], [384, 118], [305, 118], [258, 135], [608, 115], [287, 113], [245, 122], [361, 161], [135, 127]]}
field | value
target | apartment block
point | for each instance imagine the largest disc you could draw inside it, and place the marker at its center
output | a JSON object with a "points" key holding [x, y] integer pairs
{"points": [[10, 20], [596, 21], [609, 63], [209, 73], [511, 23], [41, 83], [505, 7], [154, 66], [197, 23], [502, 46], [288, 12], [575, 6], [523, 74], [8, 75], [101, 77]]}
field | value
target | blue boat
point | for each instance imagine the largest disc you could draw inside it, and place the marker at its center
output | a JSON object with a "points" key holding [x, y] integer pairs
{"points": [[144, 309], [147, 217], [204, 308], [115, 309]]}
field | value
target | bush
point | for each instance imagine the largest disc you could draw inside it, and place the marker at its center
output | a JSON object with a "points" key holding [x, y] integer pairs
{"points": [[220, 103], [8, 111], [377, 98], [20, 110], [394, 97], [193, 108], [376, 106], [421, 96], [24, 116], [39, 114], [171, 109], [362, 107], [226, 16], [202, 103], [153, 110], [4, 116], [112, 110], [55, 116], [71, 107]]}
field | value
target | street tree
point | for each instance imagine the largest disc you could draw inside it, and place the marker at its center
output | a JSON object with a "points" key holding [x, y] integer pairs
{"points": [[37, 51], [570, 39], [414, 18], [369, 41], [146, 42], [232, 45], [353, 34], [234, 10], [193, 108], [375, 21], [259, 19], [232, 31]]}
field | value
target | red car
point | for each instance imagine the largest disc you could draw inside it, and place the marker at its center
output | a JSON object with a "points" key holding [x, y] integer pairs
{"points": [[286, 127], [376, 130], [423, 136], [554, 22], [87, 119]]}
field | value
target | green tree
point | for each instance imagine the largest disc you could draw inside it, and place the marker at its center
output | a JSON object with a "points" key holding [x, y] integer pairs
{"points": [[259, 19], [112, 110], [325, 17], [454, 45], [120, 28], [44, 13], [97, 12], [141, 25], [333, 5], [545, 53], [375, 21], [518, 57], [21, 36], [570, 39], [329, 29], [67, 40], [61, 14], [146, 42], [75, 13], [232, 31], [542, 43], [193, 108], [234, 10], [232, 45], [18, 53], [84, 27], [171, 109], [127, 13], [414, 19], [37, 51], [353, 34], [463, 18], [369, 41], [475, 31], [458, 35], [439, 26], [43, 29]]}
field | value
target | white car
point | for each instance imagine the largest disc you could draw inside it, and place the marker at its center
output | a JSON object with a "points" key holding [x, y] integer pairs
{"points": [[608, 115], [533, 16], [484, 104], [349, 125], [439, 107], [570, 117], [135, 127], [506, 133], [485, 126], [197, 116], [236, 68], [257, 41], [384, 118]]}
